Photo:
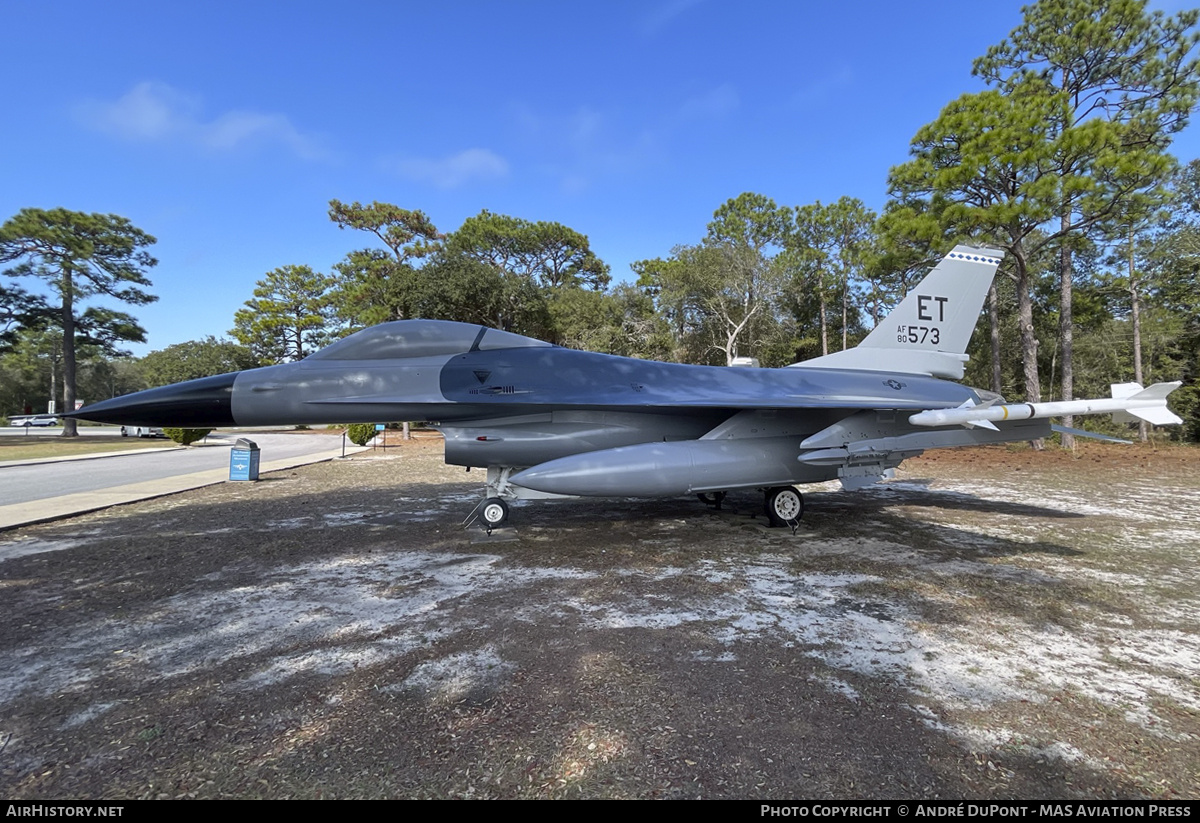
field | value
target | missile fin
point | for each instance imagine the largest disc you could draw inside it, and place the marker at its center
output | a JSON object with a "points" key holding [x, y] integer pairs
{"points": [[1157, 391], [1157, 416]]}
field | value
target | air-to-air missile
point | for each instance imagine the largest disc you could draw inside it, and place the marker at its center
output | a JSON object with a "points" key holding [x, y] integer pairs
{"points": [[1128, 399]]}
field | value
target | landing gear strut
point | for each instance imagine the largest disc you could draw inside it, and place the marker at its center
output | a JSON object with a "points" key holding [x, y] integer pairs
{"points": [[784, 505], [713, 499]]}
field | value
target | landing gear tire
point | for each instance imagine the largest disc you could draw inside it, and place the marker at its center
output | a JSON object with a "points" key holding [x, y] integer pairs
{"points": [[715, 499], [124, 432], [784, 505], [494, 513]]}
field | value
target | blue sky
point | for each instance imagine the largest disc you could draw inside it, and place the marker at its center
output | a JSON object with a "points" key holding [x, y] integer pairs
{"points": [[224, 129]]}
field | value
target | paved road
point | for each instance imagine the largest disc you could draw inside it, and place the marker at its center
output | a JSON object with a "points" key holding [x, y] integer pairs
{"points": [[44, 491]]}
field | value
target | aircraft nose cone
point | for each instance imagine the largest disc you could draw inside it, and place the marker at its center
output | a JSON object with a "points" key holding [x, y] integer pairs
{"points": [[202, 403]]}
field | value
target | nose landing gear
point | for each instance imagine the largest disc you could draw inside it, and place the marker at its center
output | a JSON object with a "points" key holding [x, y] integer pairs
{"points": [[494, 513]]}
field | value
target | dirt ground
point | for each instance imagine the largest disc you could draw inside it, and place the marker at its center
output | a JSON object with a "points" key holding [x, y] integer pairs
{"points": [[994, 623]]}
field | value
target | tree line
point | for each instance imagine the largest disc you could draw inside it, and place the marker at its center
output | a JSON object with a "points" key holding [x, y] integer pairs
{"points": [[1063, 162]]}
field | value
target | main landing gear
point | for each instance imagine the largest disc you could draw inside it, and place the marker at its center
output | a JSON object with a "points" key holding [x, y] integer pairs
{"points": [[784, 506]]}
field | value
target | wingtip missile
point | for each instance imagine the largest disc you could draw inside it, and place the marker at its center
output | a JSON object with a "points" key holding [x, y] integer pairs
{"points": [[1126, 405]]}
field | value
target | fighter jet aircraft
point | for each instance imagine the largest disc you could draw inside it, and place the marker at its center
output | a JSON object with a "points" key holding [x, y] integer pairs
{"points": [[546, 421]]}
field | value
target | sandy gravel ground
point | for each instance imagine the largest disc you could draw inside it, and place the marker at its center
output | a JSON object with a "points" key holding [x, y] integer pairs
{"points": [[996, 623]]}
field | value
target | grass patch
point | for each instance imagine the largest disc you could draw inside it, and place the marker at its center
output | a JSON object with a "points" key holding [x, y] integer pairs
{"points": [[34, 447]]}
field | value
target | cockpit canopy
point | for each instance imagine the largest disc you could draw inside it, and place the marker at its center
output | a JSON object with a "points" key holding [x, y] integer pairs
{"points": [[421, 338]]}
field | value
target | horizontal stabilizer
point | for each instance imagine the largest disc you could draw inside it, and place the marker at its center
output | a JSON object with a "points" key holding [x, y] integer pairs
{"points": [[1092, 435]]}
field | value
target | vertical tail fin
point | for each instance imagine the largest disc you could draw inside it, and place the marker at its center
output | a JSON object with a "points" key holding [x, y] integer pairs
{"points": [[929, 331]]}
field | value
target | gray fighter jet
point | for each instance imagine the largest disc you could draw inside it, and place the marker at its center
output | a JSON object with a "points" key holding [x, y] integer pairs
{"points": [[547, 421]]}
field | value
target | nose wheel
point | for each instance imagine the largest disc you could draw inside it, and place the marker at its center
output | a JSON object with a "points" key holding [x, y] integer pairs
{"points": [[494, 513], [785, 506]]}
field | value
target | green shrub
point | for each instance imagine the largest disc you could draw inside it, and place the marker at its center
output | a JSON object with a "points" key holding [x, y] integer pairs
{"points": [[361, 433], [186, 437]]}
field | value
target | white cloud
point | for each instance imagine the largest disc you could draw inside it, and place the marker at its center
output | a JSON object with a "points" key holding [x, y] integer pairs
{"points": [[235, 128], [585, 126], [661, 15], [579, 146], [822, 88], [717, 103], [157, 112], [454, 170], [150, 111]]}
